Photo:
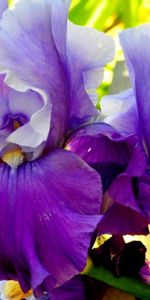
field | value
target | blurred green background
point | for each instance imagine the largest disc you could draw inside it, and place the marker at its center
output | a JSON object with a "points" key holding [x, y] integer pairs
{"points": [[106, 15], [111, 17]]}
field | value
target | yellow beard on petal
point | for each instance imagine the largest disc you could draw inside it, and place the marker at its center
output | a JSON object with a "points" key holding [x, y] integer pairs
{"points": [[12, 291], [13, 158]]}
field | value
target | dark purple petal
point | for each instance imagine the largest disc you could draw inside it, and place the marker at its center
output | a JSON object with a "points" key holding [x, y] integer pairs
{"points": [[137, 57], [144, 194], [120, 111], [102, 146], [120, 219], [72, 290], [49, 209], [114, 156], [3, 6], [145, 272]]}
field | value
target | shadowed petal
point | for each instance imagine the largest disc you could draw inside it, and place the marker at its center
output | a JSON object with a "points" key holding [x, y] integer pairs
{"points": [[137, 57], [145, 272], [120, 219], [51, 206], [114, 156], [144, 194], [101, 146], [71, 290]]}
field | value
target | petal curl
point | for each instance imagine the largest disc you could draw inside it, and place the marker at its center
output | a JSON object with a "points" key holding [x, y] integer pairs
{"points": [[36, 131], [49, 209], [137, 57], [120, 111], [32, 107], [26, 103]]}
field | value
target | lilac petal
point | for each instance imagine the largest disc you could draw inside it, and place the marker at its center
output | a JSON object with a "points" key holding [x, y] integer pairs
{"points": [[26, 103], [16, 103], [88, 51], [137, 56], [35, 132], [120, 111], [49, 209], [36, 60], [59, 24], [29, 53], [33, 107], [3, 6]]}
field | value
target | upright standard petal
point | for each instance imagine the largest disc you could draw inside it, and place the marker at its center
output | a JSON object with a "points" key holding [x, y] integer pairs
{"points": [[49, 209], [30, 53], [88, 51], [137, 57], [47, 55]]}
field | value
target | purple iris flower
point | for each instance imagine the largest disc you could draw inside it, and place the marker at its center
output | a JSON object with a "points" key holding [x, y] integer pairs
{"points": [[50, 198], [118, 153], [131, 109], [114, 155]]}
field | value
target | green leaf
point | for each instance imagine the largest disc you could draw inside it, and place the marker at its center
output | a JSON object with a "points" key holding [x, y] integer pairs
{"points": [[130, 285]]}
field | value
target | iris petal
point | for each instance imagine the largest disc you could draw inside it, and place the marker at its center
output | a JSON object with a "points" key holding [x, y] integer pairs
{"points": [[137, 57], [120, 219], [38, 62], [3, 6], [72, 290], [114, 156], [33, 107], [51, 206], [47, 55], [120, 111], [88, 51]]}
